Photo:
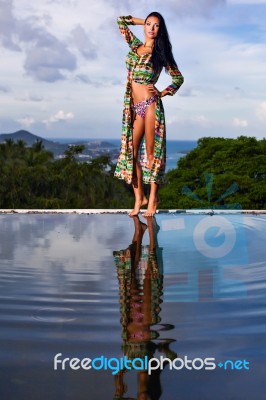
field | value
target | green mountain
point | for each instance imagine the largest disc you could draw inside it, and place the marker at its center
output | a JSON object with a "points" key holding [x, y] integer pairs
{"points": [[29, 138], [92, 149]]}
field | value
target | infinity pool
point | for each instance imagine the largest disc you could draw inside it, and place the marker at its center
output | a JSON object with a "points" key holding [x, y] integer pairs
{"points": [[182, 287]]}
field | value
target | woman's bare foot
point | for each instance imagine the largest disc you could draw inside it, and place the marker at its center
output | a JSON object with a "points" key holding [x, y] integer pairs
{"points": [[138, 204], [140, 228], [143, 227], [152, 207]]}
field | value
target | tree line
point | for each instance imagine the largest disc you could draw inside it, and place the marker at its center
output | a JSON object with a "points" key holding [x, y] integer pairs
{"points": [[30, 177], [218, 173]]}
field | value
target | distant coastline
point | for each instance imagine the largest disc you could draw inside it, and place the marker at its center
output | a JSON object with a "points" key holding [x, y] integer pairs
{"points": [[175, 149], [95, 147]]}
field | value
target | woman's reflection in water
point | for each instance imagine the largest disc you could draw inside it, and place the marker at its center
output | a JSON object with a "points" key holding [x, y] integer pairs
{"points": [[140, 275]]}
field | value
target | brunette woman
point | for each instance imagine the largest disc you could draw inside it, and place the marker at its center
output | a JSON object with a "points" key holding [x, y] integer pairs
{"points": [[143, 145]]}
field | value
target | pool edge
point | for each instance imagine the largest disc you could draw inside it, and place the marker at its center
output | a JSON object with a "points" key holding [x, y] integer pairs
{"points": [[125, 211]]}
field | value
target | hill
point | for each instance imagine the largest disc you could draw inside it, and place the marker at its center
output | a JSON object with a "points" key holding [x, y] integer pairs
{"points": [[92, 149], [29, 138]]}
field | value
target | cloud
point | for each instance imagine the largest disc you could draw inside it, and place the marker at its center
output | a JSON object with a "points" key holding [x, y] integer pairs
{"points": [[261, 111], [26, 121], [4, 89], [8, 25], [188, 91], [100, 82], [84, 79], [235, 94], [180, 8], [251, 2], [35, 97], [45, 63], [64, 2], [192, 7], [240, 123], [30, 97], [197, 120], [202, 121], [83, 42], [46, 56], [59, 117]]}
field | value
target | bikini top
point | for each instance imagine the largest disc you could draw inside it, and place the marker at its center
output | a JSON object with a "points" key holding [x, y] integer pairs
{"points": [[140, 68]]}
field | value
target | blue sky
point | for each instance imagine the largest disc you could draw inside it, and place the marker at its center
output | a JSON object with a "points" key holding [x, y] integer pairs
{"points": [[62, 70]]}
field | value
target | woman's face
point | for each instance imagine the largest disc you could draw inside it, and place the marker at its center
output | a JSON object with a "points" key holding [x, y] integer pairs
{"points": [[151, 27]]}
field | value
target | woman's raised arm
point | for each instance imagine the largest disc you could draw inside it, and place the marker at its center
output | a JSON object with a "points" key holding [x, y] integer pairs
{"points": [[138, 21], [129, 36]]}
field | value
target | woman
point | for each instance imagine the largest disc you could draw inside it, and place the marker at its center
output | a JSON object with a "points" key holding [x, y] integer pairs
{"points": [[143, 144], [140, 277]]}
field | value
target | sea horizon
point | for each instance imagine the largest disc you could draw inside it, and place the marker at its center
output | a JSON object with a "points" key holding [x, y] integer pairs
{"points": [[175, 149]]}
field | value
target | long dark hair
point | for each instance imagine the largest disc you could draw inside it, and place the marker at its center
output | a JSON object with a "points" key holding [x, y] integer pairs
{"points": [[162, 52]]}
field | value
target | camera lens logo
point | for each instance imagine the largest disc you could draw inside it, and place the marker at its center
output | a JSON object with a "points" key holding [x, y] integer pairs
{"points": [[206, 251], [221, 229], [209, 177]]}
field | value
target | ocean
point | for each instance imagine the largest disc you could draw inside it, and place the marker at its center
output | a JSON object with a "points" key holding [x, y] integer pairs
{"points": [[175, 149]]}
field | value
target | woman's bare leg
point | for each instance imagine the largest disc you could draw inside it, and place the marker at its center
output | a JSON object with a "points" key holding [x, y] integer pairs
{"points": [[153, 200], [150, 224], [149, 139], [150, 133], [139, 229], [140, 199]]}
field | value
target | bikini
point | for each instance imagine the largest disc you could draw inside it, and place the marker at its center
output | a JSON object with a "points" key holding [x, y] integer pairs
{"points": [[143, 78], [140, 108]]}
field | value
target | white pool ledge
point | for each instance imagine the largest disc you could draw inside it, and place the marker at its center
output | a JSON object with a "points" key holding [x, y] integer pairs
{"points": [[125, 211]]}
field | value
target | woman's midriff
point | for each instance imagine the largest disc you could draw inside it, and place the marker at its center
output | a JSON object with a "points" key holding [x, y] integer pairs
{"points": [[140, 92]]}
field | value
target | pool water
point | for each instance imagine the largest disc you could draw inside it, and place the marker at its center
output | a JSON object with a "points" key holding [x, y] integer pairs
{"points": [[182, 287]]}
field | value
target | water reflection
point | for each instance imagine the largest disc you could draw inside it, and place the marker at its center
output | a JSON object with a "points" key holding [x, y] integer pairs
{"points": [[140, 277], [59, 292]]}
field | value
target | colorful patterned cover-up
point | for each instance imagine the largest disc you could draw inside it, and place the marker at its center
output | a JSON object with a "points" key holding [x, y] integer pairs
{"points": [[140, 70]]}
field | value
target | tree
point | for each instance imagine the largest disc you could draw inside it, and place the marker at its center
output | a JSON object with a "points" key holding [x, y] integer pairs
{"points": [[219, 172]]}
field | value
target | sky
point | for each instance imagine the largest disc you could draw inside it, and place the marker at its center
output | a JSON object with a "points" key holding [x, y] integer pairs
{"points": [[62, 70]]}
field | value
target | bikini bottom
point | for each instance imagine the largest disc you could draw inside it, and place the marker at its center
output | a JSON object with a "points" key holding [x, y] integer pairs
{"points": [[140, 108]]}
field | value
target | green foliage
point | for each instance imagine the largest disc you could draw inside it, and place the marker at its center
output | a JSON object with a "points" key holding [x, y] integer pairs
{"points": [[219, 173], [31, 178]]}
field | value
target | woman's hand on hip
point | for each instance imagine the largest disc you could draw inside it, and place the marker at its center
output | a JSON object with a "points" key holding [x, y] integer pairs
{"points": [[153, 90]]}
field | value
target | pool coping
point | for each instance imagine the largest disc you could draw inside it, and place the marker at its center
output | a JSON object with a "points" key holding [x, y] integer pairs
{"points": [[126, 211]]}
